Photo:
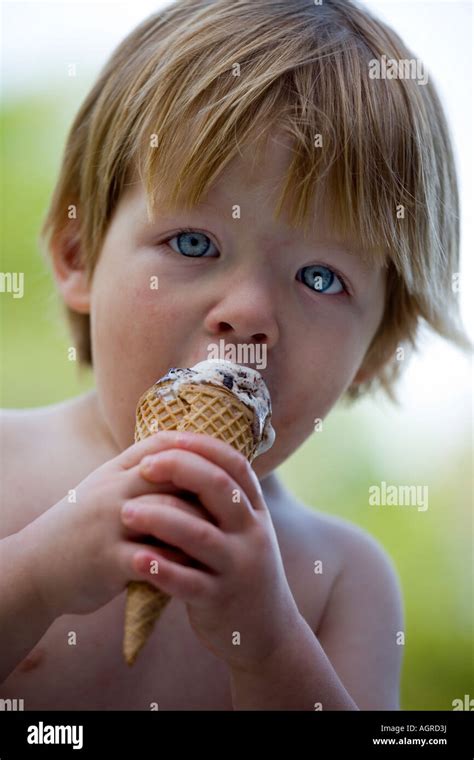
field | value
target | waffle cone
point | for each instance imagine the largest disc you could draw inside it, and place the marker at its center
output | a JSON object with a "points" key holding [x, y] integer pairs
{"points": [[200, 408]]}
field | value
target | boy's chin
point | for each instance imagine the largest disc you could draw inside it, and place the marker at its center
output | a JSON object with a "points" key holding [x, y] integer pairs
{"points": [[264, 464]]}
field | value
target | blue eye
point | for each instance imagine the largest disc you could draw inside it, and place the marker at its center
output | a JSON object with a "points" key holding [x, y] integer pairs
{"points": [[322, 279], [192, 243]]}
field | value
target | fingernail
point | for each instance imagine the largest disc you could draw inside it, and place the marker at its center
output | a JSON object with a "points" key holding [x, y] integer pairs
{"points": [[146, 463], [128, 511], [183, 439]]}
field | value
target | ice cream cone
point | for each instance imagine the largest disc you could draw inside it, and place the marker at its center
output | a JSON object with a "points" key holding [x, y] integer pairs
{"points": [[198, 407]]}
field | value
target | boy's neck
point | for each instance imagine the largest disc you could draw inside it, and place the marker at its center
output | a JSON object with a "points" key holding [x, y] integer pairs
{"points": [[90, 426]]}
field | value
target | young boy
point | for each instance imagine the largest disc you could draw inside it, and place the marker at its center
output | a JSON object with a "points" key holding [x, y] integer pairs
{"points": [[164, 241]]}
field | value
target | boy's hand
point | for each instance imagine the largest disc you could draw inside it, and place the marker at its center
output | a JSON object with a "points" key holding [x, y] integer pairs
{"points": [[237, 595], [79, 554]]}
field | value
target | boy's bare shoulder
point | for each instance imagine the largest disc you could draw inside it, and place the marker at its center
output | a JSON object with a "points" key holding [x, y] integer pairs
{"points": [[24, 437], [18, 425], [334, 537], [21, 433], [360, 564], [35, 456], [24, 431], [361, 628], [341, 536]]}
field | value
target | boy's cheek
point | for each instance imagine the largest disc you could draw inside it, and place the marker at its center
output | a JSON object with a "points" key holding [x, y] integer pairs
{"points": [[134, 305], [329, 369], [137, 335]]}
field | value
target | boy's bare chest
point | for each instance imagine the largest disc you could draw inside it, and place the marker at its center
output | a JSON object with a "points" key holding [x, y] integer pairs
{"points": [[78, 665]]}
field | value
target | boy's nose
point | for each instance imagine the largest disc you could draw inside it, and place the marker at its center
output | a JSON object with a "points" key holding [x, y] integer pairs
{"points": [[246, 311]]}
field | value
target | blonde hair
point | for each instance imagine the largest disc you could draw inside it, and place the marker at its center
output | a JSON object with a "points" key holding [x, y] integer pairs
{"points": [[304, 69]]}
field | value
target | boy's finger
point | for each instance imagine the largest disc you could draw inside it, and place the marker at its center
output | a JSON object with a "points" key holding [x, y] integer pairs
{"points": [[219, 494], [185, 583], [136, 485], [219, 452], [128, 550], [168, 494], [163, 439], [193, 536]]}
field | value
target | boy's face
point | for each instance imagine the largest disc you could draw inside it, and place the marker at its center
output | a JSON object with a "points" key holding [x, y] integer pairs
{"points": [[253, 282]]}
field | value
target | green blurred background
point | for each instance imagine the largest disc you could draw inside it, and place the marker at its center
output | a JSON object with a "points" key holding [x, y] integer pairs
{"points": [[432, 550]]}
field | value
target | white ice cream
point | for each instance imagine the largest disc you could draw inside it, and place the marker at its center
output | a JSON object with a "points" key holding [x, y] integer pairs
{"points": [[245, 383]]}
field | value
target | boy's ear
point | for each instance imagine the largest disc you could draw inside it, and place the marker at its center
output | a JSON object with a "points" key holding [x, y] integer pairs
{"points": [[69, 270]]}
